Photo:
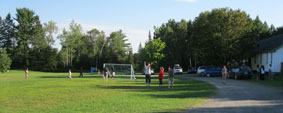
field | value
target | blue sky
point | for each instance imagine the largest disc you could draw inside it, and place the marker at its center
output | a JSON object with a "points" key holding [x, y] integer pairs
{"points": [[136, 17]]}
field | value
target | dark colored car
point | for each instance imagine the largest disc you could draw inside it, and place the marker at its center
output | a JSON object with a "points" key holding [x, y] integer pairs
{"points": [[240, 72], [191, 70], [212, 71]]}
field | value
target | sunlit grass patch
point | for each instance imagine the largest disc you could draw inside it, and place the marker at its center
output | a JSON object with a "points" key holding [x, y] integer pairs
{"points": [[54, 92]]}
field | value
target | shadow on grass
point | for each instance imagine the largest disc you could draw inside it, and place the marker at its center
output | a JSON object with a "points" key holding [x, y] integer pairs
{"points": [[87, 76], [182, 89], [60, 76]]}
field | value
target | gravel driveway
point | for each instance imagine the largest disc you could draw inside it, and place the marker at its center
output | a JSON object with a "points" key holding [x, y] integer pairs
{"points": [[239, 96]]}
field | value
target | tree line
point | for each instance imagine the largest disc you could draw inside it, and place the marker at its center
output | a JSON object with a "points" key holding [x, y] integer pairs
{"points": [[26, 42], [215, 37]]}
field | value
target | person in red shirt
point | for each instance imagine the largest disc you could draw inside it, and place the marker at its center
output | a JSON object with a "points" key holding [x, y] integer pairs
{"points": [[161, 75]]}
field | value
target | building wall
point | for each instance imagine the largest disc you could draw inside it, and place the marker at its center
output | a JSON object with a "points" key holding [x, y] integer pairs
{"points": [[277, 59], [254, 62], [265, 61], [257, 60]]}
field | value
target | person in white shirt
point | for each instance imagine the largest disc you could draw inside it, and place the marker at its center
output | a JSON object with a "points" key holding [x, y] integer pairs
{"points": [[26, 73], [270, 74], [70, 74], [224, 74], [147, 73]]}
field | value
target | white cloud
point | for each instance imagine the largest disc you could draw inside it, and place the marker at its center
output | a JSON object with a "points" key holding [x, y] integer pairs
{"points": [[135, 36], [187, 1]]}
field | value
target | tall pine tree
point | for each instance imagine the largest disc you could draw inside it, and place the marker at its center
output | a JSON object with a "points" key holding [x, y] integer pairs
{"points": [[7, 31]]}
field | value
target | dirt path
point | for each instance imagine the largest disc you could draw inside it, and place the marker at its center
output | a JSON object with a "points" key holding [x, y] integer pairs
{"points": [[239, 96]]}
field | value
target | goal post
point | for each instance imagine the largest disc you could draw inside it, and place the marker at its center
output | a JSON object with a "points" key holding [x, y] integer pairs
{"points": [[120, 69]]}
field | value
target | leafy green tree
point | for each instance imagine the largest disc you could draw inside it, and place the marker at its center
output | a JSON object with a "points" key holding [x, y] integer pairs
{"points": [[118, 46], [71, 41], [153, 52], [216, 35], [139, 58], [5, 61], [256, 30], [1, 26], [175, 35], [96, 41], [50, 29], [26, 30], [130, 56], [38, 40], [278, 31]]}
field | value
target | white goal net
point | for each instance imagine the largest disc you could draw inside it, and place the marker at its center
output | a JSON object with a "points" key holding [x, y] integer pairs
{"points": [[120, 69]]}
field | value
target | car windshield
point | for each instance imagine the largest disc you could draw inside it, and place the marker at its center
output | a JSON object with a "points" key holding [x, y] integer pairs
{"points": [[202, 67], [246, 68], [213, 68], [210, 68], [235, 69], [176, 67]]}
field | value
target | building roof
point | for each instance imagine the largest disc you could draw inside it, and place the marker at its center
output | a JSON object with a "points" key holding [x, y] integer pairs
{"points": [[270, 44]]}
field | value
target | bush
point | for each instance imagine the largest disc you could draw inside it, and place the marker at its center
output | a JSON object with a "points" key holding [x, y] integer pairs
{"points": [[5, 61]]}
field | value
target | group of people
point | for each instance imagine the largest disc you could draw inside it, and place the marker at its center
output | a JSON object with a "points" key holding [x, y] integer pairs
{"points": [[107, 73], [70, 73], [147, 71], [261, 72]]}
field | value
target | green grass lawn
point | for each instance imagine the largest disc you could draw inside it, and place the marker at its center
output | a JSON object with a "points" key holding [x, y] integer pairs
{"points": [[277, 82], [54, 92]]}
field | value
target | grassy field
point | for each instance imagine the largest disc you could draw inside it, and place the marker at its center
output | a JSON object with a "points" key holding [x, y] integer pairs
{"points": [[54, 93]]}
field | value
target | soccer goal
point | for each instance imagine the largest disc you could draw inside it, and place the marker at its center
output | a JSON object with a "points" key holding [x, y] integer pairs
{"points": [[121, 69]]}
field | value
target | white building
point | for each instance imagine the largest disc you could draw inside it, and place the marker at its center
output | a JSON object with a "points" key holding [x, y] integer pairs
{"points": [[269, 51]]}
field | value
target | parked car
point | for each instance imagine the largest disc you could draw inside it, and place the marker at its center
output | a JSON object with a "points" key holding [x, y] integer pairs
{"points": [[177, 69], [240, 72], [200, 70], [212, 71], [191, 69]]}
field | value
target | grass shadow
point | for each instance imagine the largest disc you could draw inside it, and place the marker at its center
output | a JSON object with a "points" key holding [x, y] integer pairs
{"points": [[183, 89]]}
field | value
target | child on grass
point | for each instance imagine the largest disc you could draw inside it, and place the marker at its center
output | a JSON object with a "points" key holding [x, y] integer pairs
{"points": [[161, 75]]}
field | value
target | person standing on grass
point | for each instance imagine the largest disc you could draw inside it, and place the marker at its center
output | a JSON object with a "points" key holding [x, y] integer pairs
{"points": [[98, 71], [105, 74], [270, 72], [70, 74], [81, 72], [170, 77], [258, 72], [147, 73], [26, 73], [113, 72], [161, 75], [262, 72], [224, 74]]}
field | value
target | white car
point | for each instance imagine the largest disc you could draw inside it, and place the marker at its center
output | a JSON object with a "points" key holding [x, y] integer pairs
{"points": [[177, 69], [200, 70]]}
